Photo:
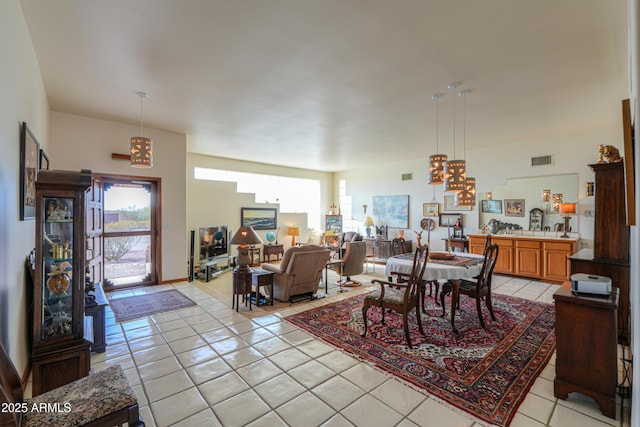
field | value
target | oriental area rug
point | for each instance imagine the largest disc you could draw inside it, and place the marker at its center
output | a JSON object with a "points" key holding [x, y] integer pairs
{"points": [[129, 308], [486, 373]]}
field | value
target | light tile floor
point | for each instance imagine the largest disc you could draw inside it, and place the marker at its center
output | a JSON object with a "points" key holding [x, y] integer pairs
{"points": [[208, 365]]}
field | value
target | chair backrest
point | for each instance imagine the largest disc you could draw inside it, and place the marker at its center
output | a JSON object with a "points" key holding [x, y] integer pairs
{"points": [[398, 246], [417, 272], [353, 261], [490, 258], [10, 388]]}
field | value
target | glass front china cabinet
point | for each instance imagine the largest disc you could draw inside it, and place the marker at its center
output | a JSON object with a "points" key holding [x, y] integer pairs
{"points": [[60, 349]]}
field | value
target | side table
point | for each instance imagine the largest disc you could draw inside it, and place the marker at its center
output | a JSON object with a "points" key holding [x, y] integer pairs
{"points": [[586, 347], [461, 243], [241, 285], [94, 307], [262, 277], [268, 250]]}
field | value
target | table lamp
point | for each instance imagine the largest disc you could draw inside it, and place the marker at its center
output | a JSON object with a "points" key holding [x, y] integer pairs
{"points": [[368, 223], [293, 232], [244, 237], [567, 209]]}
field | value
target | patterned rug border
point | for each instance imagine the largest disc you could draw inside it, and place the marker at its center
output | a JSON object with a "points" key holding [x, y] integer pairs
{"points": [[125, 304], [529, 373]]}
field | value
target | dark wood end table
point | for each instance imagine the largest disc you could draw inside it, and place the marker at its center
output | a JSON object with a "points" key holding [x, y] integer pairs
{"points": [[268, 250], [95, 307], [241, 285], [262, 277]]}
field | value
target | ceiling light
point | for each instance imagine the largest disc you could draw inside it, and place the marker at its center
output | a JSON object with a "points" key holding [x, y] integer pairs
{"points": [[141, 149], [466, 197], [436, 161], [455, 171]]}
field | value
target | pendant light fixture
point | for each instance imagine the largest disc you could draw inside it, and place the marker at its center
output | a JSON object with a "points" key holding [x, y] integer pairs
{"points": [[466, 197], [141, 150], [436, 161], [455, 171]]}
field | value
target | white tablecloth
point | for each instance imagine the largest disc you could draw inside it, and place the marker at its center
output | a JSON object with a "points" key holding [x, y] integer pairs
{"points": [[434, 270]]}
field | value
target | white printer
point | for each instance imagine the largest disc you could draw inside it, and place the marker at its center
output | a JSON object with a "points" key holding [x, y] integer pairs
{"points": [[590, 284]]}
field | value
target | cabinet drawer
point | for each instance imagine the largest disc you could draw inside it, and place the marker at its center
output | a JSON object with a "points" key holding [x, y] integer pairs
{"points": [[503, 242], [527, 244], [559, 246]]}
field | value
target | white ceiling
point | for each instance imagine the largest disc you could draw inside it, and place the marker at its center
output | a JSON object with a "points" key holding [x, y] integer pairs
{"points": [[334, 84]]}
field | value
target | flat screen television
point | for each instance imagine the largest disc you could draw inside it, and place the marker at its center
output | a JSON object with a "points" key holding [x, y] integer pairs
{"points": [[214, 241]]}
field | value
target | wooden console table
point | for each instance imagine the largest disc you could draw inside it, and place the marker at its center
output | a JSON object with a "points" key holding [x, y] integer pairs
{"points": [[461, 243], [268, 250], [586, 347]]}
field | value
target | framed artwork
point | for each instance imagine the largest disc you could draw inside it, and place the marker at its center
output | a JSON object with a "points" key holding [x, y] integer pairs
{"points": [[450, 204], [29, 162], [333, 223], [430, 209], [392, 211], [492, 206], [514, 207], [44, 160], [259, 218], [629, 166], [449, 220]]}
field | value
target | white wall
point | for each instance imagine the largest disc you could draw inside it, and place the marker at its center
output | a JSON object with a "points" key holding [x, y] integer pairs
{"points": [[23, 99], [572, 153], [84, 143], [217, 203]]}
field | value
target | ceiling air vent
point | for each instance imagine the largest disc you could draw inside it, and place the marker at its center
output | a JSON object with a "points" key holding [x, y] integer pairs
{"points": [[407, 176], [541, 160]]}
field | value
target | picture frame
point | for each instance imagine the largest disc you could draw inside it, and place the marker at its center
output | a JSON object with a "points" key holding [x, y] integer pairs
{"points": [[449, 220], [29, 162], [492, 206], [392, 211], [44, 160], [259, 218], [514, 207], [450, 204], [333, 224], [629, 163], [430, 209]]}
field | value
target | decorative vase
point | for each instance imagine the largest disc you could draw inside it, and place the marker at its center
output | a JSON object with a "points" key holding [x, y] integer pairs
{"points": [[58, 284]]}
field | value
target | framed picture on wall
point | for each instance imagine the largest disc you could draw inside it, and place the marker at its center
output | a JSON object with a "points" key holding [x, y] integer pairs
{"points": [[492, 206], [430, 209], [513, 207], [333, 223], [29, 164], [449, 220], [392, 211], [259, 218], [450, 204]]}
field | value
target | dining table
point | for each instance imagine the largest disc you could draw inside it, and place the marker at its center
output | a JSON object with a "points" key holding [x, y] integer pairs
{"points": [[460, 266]]}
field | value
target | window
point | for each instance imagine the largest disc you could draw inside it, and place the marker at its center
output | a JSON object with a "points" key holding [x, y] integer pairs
{"points": [[293, 194]]}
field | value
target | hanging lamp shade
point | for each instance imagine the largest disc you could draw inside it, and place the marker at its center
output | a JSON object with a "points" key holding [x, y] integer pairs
{"points": [[546, 195], [455, 175], [436, 168], [467, 197], [141, 152]]}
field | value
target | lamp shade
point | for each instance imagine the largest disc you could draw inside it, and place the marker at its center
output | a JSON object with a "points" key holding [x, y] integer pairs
{"points": [[467, 197], [246, 236], [546, 195], [141, 152], [436, 168], [293, 231], [368, 222], [557, 201], [455, 175], [568, 208]]}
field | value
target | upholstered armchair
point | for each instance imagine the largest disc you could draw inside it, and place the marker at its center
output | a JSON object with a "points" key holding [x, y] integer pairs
{"points": [[348, 237], [299, 272], [352, 263]]}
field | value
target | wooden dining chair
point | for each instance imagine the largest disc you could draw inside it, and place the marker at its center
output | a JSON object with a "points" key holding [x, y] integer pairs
{"points": [[479, 287], [400, 297], [398, 246]]}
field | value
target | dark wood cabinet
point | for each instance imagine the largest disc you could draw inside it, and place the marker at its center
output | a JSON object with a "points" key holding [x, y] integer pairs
{"points": [[610, 254], [586, 347], [381, 249], [60, 353], [94, 307]]}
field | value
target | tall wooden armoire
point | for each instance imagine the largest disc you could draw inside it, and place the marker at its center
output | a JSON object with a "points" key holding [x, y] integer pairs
{"points": [[610, 254]]}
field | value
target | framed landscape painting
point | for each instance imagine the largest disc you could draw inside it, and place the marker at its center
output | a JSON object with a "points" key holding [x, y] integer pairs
{"points": [[492, 206], [392, 211], [259, 218], [430, 209]]}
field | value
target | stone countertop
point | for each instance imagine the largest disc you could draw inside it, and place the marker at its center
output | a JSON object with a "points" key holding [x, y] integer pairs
{"points": [[545, 235]]}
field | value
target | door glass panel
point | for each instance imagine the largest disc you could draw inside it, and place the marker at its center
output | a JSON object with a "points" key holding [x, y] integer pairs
{"points": [[127, 233]]}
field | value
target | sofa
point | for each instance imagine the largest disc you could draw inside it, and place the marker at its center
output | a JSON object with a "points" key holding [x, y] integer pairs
{"points": [[299, 272]]}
